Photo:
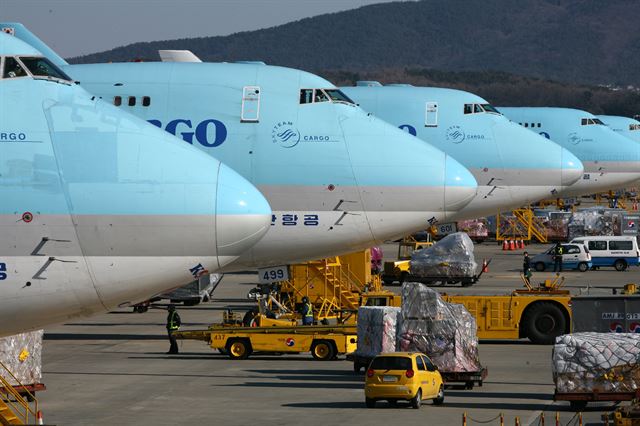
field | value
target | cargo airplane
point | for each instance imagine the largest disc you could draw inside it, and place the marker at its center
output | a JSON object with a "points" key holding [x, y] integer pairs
{"points": [[337, 178], [610, 160], [513, 167], [98, 208]]}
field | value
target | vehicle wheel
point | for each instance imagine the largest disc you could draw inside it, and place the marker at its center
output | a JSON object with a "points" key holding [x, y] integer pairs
{"points": [[540, 266], [466, 283], [543, 322], [322, 350], [370, 403], [578, 405], [469, 385], [416, 401], [248, 317], [439, 399], [620, 265], [191, 302], [393, 402], [238, 348], [583, 267]]}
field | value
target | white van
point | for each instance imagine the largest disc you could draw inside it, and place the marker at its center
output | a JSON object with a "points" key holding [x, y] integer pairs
{"points": [[618, 252]]}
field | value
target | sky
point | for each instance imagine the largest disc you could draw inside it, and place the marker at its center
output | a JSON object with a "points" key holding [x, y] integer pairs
{"points": [[78, 27]]}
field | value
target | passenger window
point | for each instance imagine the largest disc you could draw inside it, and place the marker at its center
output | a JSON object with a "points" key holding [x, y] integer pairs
{"points": [[117, 100], [146, 101], [573, 250], [320, 96], [620, 245], [533, 125], [539, 124], [597, 245], [420, 363], [306, 96], [12, 69], [526, 124], [468, 108], [132, 101], [430, 366]]}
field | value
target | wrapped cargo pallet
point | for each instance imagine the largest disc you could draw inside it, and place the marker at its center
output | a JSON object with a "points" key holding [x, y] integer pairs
{"points": [[446, 332], [596, 362], [376, 330], [22, 354], [450, 257]]}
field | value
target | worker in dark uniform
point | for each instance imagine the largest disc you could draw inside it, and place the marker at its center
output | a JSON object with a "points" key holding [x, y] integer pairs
{"points": [[306, 311], [526, 267], [173, 325], [558, 251]]}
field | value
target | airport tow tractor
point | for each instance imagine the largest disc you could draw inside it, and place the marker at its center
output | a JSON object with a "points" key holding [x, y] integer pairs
{"points": [[539, 313], [275, 336]]}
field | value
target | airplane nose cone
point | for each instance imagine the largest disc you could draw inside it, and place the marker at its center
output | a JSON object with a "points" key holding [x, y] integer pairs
{"points": [[243, 214], [460, 185], [572, 168]]}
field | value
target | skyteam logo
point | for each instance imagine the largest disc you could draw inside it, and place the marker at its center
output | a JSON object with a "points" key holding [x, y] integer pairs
{"points": [[289, 342], [574, 139], [634, 327], [455, 134], [285, 134]]}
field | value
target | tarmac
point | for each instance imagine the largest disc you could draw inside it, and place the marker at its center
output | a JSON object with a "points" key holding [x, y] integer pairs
{"points": [[112, 369]]}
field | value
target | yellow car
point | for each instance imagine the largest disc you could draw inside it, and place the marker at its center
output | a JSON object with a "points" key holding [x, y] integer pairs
{"points": [[408, 376]]}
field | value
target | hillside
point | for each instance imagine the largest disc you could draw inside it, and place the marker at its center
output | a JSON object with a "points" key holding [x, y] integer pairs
{"points": [[584, 41]]}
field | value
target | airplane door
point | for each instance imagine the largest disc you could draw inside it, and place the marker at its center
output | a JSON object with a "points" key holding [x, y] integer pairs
{"points": [[250, 104], [431, 114]]}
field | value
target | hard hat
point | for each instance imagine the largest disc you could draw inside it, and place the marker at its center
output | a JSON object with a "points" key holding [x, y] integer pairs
{"points": [[305, 299], [172, 307]]}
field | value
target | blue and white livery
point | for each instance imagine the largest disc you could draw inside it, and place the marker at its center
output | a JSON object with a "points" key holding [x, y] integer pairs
{"points": [[99, 209], [513, 167], [338, 179]]}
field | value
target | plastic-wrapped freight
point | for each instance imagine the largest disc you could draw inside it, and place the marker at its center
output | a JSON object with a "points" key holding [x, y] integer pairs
{"points": [[22, 354], [597, 362], [450, 257], [446, 332], [376, 330], [590, 222]]}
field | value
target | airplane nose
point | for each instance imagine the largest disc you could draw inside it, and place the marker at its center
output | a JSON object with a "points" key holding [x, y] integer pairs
{"points": [[572, 168], [460, 185], [243, 214]]}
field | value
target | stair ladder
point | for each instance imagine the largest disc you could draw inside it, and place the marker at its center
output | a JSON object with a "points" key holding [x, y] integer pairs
{"points": [[14, 408], [522, 225]]}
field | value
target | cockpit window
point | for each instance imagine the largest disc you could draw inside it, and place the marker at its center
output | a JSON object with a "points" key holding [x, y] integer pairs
{"points": [[337, 96], [306, 96], [633, 127], [479, 109], [320, 96], [42, 67], [490, 108], [309, 96], [591, 122], [13, 69]]}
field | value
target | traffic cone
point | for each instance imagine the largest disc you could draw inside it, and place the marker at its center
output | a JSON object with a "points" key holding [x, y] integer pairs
{"points": [[39, 417], [512, 245], [505, 245], [521, 244], [485, 266]]}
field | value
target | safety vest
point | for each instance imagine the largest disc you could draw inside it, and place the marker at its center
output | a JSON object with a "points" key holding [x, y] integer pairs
{"points": [[309, 312], [559, 251], [172, 324]]}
